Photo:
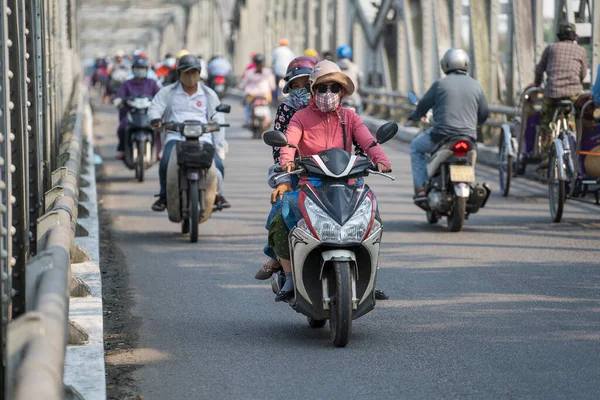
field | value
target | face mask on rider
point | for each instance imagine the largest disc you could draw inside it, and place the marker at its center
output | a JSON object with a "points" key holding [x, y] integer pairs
{"points": [[299, 97], [140, 73], [170, 62], [328, 101], [189, 79]]}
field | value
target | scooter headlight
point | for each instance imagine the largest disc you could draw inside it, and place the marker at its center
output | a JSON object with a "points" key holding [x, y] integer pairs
{"points": [[328, 230], [192, 131]]}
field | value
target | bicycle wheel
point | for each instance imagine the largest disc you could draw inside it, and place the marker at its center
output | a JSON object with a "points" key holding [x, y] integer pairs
{"points": [[505, 168], [556, 187]]}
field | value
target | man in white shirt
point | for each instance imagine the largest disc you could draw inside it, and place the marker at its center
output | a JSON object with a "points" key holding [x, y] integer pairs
{"points": [[187, 99]]}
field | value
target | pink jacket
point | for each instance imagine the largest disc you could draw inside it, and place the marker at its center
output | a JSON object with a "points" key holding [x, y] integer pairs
{"points": [[314, 131]]}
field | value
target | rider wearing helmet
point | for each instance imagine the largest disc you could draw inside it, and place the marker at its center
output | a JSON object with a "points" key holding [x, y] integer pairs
{"points": [[565, 64], [139, 54], [257, 82], [173, 76], [459, 106], [169, 64], [327, 55], [187, 99], [282, 57], [344, 55], [140, 84], [296, 78], [310, 52]]}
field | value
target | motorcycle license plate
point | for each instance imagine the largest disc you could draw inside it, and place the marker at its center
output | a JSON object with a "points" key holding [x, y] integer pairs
{"points": [[219, 88], [462, 173], [261, 111]]}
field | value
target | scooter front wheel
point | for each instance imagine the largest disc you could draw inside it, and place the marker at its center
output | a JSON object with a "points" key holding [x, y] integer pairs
{"points": [[340, 310], [140, 167], [194, 211]]}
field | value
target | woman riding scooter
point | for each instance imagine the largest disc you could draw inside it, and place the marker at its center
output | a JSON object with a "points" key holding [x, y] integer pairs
{"points": [[323, 125]]}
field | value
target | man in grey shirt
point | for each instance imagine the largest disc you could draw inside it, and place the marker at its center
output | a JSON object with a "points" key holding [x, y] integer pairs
{"points": [[459, 106]]}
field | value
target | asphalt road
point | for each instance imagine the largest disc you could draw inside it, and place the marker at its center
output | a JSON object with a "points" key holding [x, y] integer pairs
{"points": [[508, 308]]}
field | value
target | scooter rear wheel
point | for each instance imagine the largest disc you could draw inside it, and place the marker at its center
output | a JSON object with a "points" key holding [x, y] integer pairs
{"points": [[456, 219], [432, 217], [185, 226]]}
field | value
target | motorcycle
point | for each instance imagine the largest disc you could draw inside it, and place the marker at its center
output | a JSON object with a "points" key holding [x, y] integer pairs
{"points": [[192, 175], [260, 115], [335, 245], [117, 77], [450, 189], [218, 83], [140, 151]]}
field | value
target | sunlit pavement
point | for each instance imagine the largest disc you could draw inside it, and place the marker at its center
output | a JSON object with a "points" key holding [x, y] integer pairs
{"points": [[509, 308]]}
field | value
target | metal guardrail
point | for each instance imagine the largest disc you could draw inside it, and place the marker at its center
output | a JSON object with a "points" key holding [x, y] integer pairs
{"points": [[38, 153], [386, 104], [39, 372]]}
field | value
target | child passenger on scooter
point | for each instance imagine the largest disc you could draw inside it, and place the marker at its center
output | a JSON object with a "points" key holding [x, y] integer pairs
{"points": [[296, 87]]}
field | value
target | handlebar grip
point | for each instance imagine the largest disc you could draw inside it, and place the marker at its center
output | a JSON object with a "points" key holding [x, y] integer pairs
{"points": [[374, 168], [225, 125]]}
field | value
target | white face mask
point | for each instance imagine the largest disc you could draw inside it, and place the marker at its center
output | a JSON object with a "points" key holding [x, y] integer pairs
{"points": [[170, 62], [140, 73]]}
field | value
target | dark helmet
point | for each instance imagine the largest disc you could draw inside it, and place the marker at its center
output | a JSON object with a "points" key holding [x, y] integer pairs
{"points": [[259, 58], [327, 55], [188, 62], [140, 63], [299, 67]]}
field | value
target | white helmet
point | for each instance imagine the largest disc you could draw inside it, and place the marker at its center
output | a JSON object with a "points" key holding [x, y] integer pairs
{"points": [[455, 59]]}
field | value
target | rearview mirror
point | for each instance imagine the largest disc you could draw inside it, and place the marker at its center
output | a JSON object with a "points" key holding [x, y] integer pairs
{"points": [[412, 97], [224, 108], [386, 132], [275, 138]]}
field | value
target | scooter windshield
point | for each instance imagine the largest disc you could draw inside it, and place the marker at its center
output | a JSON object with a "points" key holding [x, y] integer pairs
{"points": [[335, 164], [340, 200]]}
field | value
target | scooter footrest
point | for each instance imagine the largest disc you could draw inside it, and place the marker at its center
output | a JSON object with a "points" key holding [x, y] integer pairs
{"points": [[422, 204]]}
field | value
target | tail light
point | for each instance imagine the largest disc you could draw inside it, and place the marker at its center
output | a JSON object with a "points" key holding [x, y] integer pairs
{"points": [[461, 148], [219, 80]]}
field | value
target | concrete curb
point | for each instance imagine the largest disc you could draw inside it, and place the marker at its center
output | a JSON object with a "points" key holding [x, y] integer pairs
{"points": [[84, 364]]}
